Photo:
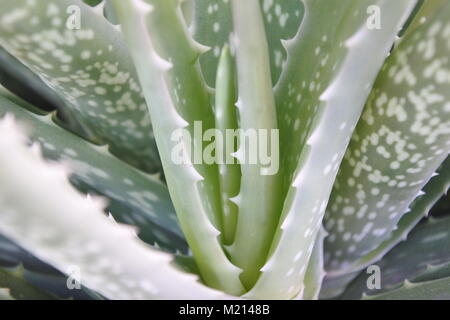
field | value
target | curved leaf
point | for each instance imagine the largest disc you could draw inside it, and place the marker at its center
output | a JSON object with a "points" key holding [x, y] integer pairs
{"points": [[433, 190], [37, 273], [88, 68], [315, 272], [226, 119], [401, 140], [74, 235], [428, 245], [332, 110], [168, 69], [258, 215], [429, 290], [136, 198], [18, 287], [213, 24]]}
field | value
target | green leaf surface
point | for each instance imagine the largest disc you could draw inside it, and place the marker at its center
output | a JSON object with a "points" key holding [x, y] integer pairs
{"points": [[427, 245], [226, 119], [333, 287], [434, 272], [88, 68], [34, 89], [438, 185], [258, 215], [18, 287], [72, 233], [433, 190], [135, 198], [168, 70], [429, 290], [317, 120], [213, 24], [37, 273], [315, 272], [401, 140], [442, 207]]}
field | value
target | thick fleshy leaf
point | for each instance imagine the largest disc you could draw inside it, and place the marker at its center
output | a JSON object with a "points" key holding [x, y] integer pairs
{"points": [[226, 119], [316, 122], [258, 215], [428, 290], [442, 207], [74, 235], [427, 245], [169, 71], [315, 272], [34, 90], [89, 68], [334, 287], [37, 273], [135, 198], [434, 189], [18, 287], [403, 137], [212, 26], [434, 272], [153, 215]]}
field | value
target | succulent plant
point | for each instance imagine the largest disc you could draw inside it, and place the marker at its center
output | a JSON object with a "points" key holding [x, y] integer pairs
{"points": [[97, 97]]}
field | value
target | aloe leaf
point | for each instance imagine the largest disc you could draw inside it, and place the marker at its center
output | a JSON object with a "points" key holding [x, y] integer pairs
{"points": [[401, 140], [329, 109], [109, 13], [257, 215], [213, 24], [18, 287], [34, 89], [428, 290], [166, 60], [427, 246], [433, 190], [103, 7], [434, 272], [442, 207], [314, 273], [437, 186], [71, 232], [333, 287], [13, 97], [45, 282], [12, 255], [55, 284], [88, 68], [23, 82], [136, 198], [39, 274], [226, 119]]}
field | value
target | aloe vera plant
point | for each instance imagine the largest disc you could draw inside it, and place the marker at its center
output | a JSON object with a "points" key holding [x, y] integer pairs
{"points": [[110, 109]]}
